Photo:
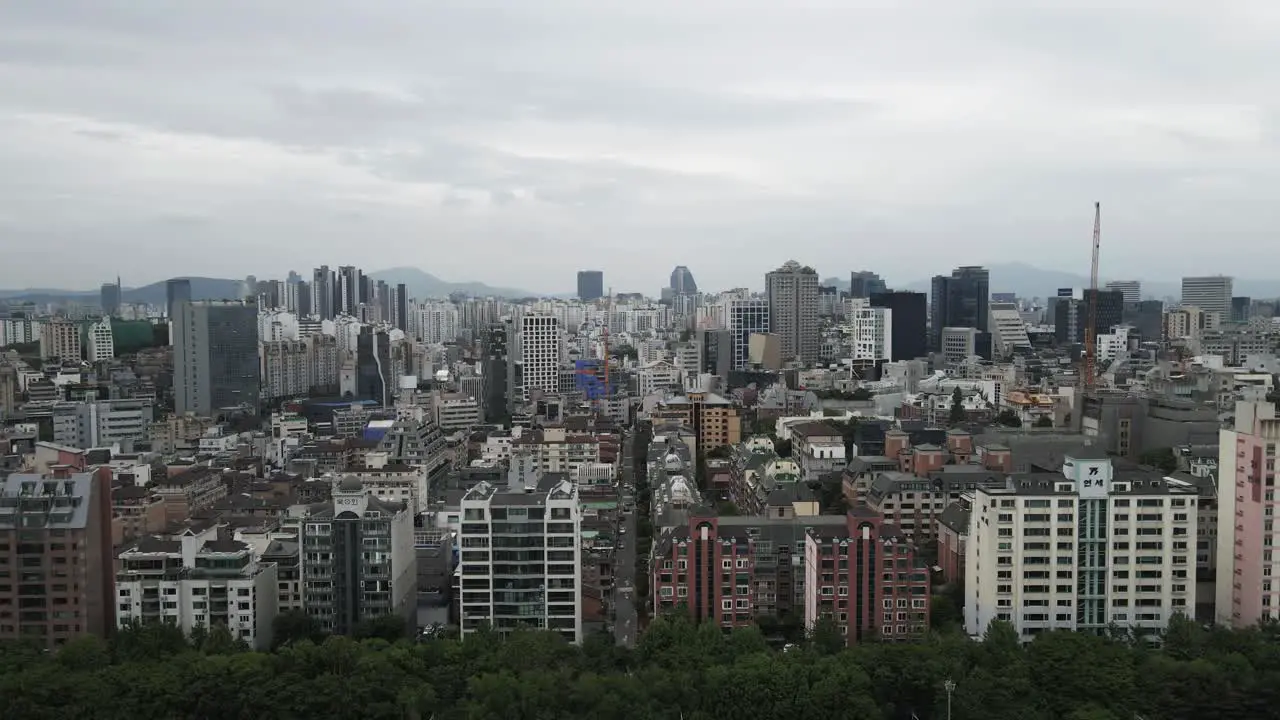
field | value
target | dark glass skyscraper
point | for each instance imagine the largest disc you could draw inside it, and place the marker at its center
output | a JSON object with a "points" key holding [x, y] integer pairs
{"points": [[590, 284], [111, 298], [176, 291], [864, 284], [909, 337], [373, 365], [682, 281], [960, 300], [215, 357]]}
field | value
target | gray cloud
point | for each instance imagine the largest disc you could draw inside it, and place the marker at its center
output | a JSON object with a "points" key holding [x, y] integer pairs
{"points": [[514, 143]]}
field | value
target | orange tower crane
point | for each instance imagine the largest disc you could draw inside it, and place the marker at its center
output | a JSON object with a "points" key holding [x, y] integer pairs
{"points": [[1091, 318]]}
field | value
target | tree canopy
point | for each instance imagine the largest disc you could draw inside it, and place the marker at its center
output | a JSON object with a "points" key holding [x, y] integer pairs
{"points": [[678, 669]]}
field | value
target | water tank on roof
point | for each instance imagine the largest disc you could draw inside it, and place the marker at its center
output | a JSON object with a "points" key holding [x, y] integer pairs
{"points": [[673, 463]]}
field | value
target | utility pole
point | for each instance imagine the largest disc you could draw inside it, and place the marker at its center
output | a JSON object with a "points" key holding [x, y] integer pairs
{"points": [[950, 686]]}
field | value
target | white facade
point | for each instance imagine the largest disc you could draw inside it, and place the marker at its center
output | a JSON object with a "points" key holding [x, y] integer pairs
{"points": [[101, 345], [277, 325], [458, 413], [542, 348], [1114, 344], [286, 366], [1081, 551], [196, 580], [656, 375], [395, 484], [102, 423], [1008, 329], [503, 584], [872, 337], [17, 331], [60, 338], [438, 322], [1212, 294]]}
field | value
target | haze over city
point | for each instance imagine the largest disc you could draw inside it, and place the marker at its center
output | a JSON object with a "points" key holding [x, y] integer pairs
{"points": [[514, 144]]}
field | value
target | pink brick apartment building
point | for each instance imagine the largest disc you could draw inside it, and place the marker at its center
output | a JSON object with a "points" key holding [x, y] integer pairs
{"points": [[854, 569]]}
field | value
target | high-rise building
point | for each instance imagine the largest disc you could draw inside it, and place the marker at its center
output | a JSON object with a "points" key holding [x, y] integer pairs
{"points": [[400, 307], [1132, 289], [176, 291], [374, 378], [959, 301], [55, 535], [110, 296], [864, 284], [1247, 589], [872, 332], [323, 293], [1085, 550], [910, 336], [60, 339], [506, 586], [215, 357], [542, 348], [743, 318], [716, 350], [682, 281], [1008, 329], [358, 561], [348, 290], [1212, 294], [1241, 307], [1071, 315], [792, 291], [493, 347], [590, 285], [100, 344]]}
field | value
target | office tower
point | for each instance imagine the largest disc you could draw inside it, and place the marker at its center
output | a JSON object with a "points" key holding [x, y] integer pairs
{"points": [[198, 580], [364, 289], [959, 301], [322, 293], [743, 318], [215, 357], [1212, 294], [55, 539], [505, 584], [682, 282], [909, 333], [1132, 289], [864, 284], [303, 308], [793, 310], [382, 298], [374, 379], [60, 340], [493, 348], [1240, 309], [177, 290], [358, 561], [101, 423], [590, 285], [1088, 549], [110, 295], [348, 290], [99, 341], [1245, 559], [716, 352], [1008, 329], [541, 344], [1071, 315], [1147, 317], [401, 307]]}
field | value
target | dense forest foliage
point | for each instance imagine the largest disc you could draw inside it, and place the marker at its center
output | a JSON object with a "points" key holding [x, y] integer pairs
{"points": [[679, 670]]}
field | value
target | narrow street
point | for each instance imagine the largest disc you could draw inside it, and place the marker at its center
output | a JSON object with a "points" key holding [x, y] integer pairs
{"points": [[624, 623]]}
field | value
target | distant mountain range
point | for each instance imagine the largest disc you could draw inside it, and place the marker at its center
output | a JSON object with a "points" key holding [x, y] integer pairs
{"points": [[1023, 280], [419, 284]]}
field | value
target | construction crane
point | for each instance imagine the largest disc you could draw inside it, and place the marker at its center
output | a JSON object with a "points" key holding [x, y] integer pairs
{"points": [[1091, 310]]}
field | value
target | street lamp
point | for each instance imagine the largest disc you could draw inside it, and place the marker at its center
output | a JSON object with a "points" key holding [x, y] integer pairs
{"points": [[950, 686]]}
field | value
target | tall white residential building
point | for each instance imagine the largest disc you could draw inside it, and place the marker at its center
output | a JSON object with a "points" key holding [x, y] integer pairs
{"points": [[1212, 294], [358, 561], [324, 361], [100, 343], [542, 349], [1114, 344], [1008, 329], [1081, 551], [102, 423], [286, 368], [743, 318], [60, 338], [198, 580], [438, 322], [521, 557], [872, 327], [18, 331], [1131, 289], [277, 325]]}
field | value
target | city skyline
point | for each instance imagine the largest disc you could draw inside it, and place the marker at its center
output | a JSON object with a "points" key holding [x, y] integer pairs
{"points": [[630, 134]]}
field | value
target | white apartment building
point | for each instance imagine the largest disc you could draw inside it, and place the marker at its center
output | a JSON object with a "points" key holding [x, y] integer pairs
{"points": [[457, 412], [438, 322], [101, 344], [657, 375], [521, 558], [393, 484], [197, 580], [19, 330], [1114, 344], [1081, 551], [542, 349], [286, 368], [101, 423], [1212, 294], [872, 331], [277, 325]]}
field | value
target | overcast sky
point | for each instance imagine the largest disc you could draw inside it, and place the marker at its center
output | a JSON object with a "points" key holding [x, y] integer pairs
{"points": [[515, 146]]}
